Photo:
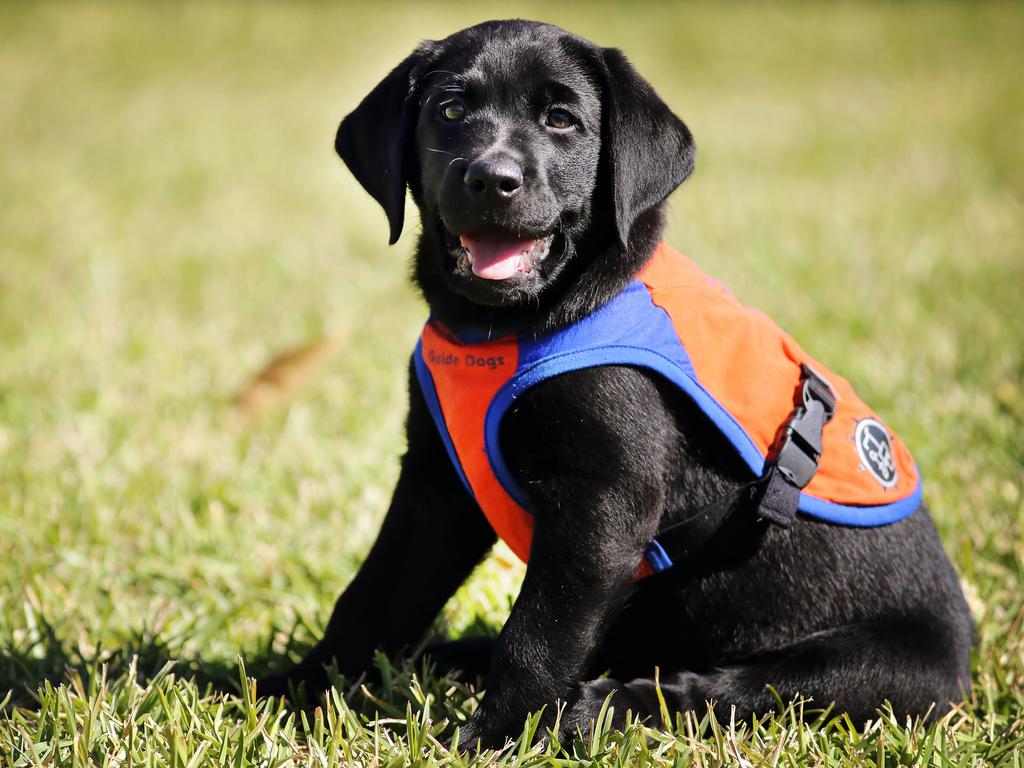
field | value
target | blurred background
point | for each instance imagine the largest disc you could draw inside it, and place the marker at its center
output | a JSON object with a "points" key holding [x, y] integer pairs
{"points": [[172, 216]]}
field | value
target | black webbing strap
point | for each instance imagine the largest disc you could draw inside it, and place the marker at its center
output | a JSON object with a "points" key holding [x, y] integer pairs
{"points": [[796, 459], [777, 491], [685, 537], [780, 498]]}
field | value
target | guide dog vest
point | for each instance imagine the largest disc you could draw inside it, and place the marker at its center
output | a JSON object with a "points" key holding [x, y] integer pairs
{"points": [[733, 362]]}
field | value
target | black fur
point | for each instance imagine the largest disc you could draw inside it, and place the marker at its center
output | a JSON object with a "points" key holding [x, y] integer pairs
{"points": [[609, 455]]}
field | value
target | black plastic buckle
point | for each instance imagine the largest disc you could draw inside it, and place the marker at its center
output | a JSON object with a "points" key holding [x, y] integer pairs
{"points": [[798, 455]]}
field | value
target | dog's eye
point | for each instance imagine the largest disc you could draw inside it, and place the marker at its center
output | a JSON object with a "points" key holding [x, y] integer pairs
{"points": [[558, 118], [452, 111]]}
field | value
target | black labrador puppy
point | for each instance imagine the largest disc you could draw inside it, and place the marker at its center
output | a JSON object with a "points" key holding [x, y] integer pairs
{"points": [[540, 164]]}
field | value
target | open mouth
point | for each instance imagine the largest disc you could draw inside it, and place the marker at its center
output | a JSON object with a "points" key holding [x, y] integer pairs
{"points": [[492, 253]]}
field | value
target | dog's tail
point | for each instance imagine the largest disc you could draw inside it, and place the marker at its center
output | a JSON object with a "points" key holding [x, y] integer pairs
{"points": [[280, 379]]}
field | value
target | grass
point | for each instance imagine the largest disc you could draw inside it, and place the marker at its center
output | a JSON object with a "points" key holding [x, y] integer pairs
{"points": [[171, 216]]}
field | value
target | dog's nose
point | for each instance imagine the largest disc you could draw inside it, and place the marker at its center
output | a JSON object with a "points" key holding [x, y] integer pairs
{"points": [[500, 177]]}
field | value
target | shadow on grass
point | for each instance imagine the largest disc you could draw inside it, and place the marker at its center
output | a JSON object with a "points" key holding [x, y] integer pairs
{"points": [[49, 662], [24, 670]]}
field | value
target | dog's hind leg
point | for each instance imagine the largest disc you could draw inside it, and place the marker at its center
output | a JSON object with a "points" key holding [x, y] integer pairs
{"points": [[919, 664]]}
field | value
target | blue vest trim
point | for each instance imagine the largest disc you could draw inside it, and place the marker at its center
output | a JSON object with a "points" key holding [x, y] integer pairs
{"points": [[657, 557], [591, 358], [429, 391], [861, 517]]}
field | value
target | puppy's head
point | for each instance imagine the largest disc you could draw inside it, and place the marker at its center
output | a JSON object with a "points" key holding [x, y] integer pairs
{"points": [[532, 154]]}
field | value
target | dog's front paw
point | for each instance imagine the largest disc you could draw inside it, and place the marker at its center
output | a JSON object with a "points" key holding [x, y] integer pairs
{"points": [[478, 733], [578, 718], [467, 737]]}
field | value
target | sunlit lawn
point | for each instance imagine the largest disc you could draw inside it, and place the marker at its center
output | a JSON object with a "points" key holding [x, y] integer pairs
{"points": [[172, 216]]}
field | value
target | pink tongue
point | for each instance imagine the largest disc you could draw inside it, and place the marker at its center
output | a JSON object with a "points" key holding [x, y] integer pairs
{"points": [[495, 259]]}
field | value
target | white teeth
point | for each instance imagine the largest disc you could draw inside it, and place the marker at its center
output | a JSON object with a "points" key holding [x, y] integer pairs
{"points": [[529, 258]]}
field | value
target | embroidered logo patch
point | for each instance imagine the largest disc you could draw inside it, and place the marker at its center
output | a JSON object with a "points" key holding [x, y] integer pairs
{"points": [[875, 450]]}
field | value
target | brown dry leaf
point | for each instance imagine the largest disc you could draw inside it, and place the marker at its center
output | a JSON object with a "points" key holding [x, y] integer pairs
{"points": [[276, 384]]}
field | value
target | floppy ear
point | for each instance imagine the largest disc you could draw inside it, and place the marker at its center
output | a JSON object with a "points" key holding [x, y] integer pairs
{"points": [[374, 140], [647, 150]]}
